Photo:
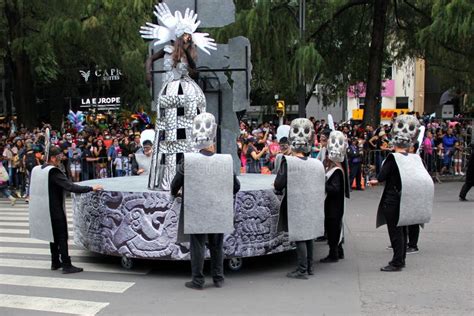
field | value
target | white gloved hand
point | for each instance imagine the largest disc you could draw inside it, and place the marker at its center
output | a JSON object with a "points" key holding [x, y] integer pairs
{"points": [[156, 32], [191, 19], [164, 15], [204, 42]]}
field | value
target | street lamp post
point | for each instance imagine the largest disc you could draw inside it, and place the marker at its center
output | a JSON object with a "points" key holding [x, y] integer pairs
{"points": [[301, 83]]}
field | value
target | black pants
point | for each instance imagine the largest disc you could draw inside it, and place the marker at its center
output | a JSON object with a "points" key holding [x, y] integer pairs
{"points": [[333, 228], [59, 249], [413, 235], [198, 252], [465, 188], [355, 174], [397, 234], [304, 253]]}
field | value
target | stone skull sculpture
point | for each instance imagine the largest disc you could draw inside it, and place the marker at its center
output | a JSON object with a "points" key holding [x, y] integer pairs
{"points": [[301, 135], [337, 146], [204, 130], [405, 130]]}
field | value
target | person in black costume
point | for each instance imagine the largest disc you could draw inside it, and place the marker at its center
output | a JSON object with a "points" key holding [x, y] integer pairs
{"points": [[390, 208], [299, 187], [198, 241], [469, 178], [304, 249], [337, 189], [333, 212], [58, 183], [354, 157]]}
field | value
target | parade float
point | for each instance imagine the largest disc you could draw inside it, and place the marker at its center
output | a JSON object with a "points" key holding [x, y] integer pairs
{"points": [[136, 217]]}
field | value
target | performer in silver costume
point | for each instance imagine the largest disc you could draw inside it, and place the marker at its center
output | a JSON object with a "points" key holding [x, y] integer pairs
{"points": [[180, 98]]}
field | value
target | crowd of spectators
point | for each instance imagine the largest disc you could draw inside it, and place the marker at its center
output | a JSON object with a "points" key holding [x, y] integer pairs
{"points": [[108, 151], [444, 147]]}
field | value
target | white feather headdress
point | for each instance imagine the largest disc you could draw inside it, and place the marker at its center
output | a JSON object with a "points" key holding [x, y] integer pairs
{"points": [[174, 26]]}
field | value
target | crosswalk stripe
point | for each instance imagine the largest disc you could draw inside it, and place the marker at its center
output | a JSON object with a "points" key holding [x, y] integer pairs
{"points": [[2, 223], [4, 206], [20, 218], [13, 214], [88, 267], [15, 231], [53, 305], [22, 231], [22, 224], [21, 207], [22, 240], [22, 213], [42, 251], [66, 283]]}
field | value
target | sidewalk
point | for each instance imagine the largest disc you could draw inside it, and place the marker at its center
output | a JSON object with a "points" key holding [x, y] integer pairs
{"points": [[438, 280]]}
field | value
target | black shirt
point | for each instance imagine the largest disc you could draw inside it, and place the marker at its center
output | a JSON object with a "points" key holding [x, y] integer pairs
{"points": [[393, 183], [58, 183], [334, 202]]}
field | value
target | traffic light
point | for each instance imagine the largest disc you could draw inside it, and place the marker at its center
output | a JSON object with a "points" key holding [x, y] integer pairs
{"points": [[280, 108]]}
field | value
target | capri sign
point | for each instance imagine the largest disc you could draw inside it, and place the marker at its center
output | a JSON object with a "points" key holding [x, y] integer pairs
{"points": [[112, 74]]}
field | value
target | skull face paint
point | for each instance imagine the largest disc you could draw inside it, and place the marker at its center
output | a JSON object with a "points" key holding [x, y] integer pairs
{"points": [[204, 130], [301, 135], [405, 130], [337, 146]]}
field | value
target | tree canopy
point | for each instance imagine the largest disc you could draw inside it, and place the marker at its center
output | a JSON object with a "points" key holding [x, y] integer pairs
{"points": [[49, 41], [44, 43], [335, 51]]}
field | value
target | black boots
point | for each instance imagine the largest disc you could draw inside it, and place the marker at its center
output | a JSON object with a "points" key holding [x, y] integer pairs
{"points": [[55, 265], [334, 255], [69, 268], [297, 274], [391, 268], [340, 251]]}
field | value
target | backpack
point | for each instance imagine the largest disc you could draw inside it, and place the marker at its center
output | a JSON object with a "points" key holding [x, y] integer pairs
{"points": [[30, 161]]}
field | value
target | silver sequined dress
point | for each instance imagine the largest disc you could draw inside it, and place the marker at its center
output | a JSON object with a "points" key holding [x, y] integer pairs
{"points": [[179, 101]]}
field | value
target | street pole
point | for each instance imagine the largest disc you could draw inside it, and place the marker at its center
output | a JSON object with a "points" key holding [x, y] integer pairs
{"points": [[301, 83]]}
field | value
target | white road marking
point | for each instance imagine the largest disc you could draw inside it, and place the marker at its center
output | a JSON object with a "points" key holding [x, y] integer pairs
{"points": [[88, 267], [22, 224], [21, 212], [20, 218], [25, 240], [66, 283], [53, 305], [42, 251], [23, 231]]}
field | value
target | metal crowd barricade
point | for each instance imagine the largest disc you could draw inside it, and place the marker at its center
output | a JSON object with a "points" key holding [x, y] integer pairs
{"points": [[371, 162], [104, 169]]}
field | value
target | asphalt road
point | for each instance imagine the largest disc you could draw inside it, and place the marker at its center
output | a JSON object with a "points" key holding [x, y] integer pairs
{"points": [[437, 281]]}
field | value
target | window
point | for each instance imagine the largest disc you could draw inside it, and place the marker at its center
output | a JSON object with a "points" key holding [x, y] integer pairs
{"points": [[402, 102]]}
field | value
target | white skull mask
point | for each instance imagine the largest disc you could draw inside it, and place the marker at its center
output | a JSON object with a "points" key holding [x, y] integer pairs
{"points": [[301, 135], [405, 130], [204, 130], [337, 146]]}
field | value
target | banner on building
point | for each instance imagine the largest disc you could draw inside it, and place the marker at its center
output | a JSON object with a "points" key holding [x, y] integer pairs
{"points": [[385, 114]]}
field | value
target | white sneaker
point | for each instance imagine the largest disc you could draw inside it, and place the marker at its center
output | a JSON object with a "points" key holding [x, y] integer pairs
{"points": [[461, 173], [12, 200], [456, 174]]}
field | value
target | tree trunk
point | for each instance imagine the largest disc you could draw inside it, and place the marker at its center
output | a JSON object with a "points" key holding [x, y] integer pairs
{"points": [[22, 78], [23, 92], [373, 98]]}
